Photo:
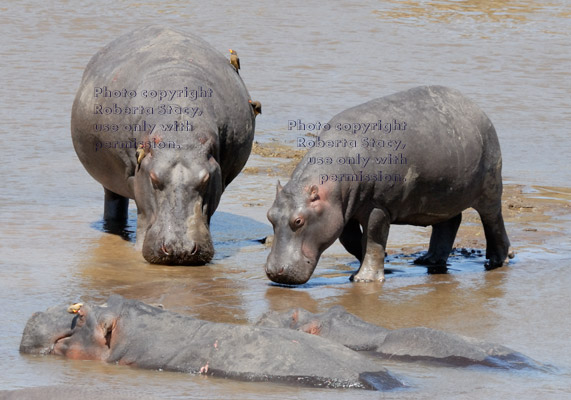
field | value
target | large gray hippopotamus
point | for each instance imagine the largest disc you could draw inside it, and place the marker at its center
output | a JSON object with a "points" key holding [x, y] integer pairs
{"points": [[129, 332], [296, 346], [418, 157], [164, 119]]}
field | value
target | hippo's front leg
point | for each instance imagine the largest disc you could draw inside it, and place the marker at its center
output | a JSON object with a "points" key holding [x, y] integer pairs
{"points": [[115, 212], [375, 234], [116, 208]]}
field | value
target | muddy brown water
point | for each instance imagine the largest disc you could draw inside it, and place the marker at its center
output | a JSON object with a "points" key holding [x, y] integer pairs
{"points": [[303, 60]]}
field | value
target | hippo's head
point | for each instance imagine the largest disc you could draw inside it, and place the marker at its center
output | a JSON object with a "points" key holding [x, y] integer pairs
{"points": [[82, 333], [305, 222], [106, 332], [177, 191]]}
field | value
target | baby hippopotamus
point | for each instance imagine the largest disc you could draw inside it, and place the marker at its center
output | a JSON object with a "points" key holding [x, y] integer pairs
{"points": [[418, 157]]}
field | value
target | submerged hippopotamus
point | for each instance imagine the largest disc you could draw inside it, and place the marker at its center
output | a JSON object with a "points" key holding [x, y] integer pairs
{"points": [[296, 346], [406, 344], [162, 118], [418, 157], [133, 333]]}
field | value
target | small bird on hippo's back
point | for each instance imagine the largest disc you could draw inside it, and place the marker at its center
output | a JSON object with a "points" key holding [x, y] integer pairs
{"points": [[234, 59]]}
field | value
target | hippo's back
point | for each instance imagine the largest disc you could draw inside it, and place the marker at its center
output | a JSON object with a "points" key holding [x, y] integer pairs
{"points": [[434, 124], [407, 146]]}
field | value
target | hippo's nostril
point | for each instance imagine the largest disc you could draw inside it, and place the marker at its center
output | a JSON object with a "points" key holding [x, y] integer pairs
{"points": [[164, 249], [281, 271], [195, 249]]}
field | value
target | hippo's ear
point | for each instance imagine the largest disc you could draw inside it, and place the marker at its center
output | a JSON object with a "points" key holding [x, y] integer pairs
{"points": [[313, 193], [82, 315], [279, 187]]}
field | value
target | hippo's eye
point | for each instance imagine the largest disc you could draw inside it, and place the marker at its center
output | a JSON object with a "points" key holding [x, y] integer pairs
{"points": [[297, 223]]}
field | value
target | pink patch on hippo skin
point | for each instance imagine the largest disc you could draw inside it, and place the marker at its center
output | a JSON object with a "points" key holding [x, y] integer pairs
{"points": [[204, 369], [295, 317], [75, 354], [216, 344], [313, 328], [324, 189], [318, 196]]}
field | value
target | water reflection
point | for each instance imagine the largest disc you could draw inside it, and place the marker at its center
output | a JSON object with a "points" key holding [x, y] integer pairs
{"points": [[125, 230], [282, 298], [214, 292]]}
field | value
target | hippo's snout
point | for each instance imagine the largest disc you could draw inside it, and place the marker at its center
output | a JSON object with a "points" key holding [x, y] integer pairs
{"points": [[168, 242], [178, 252], [290, 273], [168, 249], [44, 329]]}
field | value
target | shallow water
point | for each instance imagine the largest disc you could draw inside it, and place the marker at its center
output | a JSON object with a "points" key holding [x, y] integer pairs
{"points": [[308, 61]]}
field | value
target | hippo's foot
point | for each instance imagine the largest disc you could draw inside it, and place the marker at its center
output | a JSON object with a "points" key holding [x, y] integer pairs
{"points": [[511, 254], [493, 264], [431, 259], [368, 275]]}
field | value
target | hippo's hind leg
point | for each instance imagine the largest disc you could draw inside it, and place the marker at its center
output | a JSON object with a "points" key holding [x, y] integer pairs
{"points": [[115, 212], [441, 242], [489, 206], [351, 239], [497, 242]]}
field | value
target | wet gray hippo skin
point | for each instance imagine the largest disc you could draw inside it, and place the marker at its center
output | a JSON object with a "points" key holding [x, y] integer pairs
{"points": [[448, 159], [130, 332], [178, 177], [407, 344]]}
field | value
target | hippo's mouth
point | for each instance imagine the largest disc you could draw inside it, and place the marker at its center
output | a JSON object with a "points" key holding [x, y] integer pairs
{"points": [[198, 254], [58, 343], [179, 251], [292, 274]]}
